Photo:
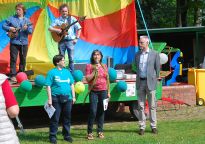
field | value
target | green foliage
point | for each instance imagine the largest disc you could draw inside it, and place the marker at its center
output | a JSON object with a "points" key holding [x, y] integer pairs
{"points": [[193, 5], [162, 13], [157, 14]]}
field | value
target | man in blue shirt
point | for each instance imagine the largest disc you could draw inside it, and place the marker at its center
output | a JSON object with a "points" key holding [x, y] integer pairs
{"points": [[18, 28], [61, 95], [70, 38]]}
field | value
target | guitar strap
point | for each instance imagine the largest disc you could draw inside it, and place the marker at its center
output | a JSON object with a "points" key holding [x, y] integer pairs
{"points": [[92, 85], [108, 79], [22, 22], [69, 20]]}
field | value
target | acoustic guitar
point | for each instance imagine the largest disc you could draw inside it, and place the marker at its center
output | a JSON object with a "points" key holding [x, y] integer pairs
{"points": [[15, 34], [64, 27]]}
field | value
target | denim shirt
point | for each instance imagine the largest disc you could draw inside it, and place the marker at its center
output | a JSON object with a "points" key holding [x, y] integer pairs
{"points": [[14, 21], [69, 20]]}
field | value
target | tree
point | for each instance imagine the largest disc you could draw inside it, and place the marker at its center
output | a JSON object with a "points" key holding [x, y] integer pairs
{"points": [[171, 13], [157, 13], [189, 12], [197, 6]]}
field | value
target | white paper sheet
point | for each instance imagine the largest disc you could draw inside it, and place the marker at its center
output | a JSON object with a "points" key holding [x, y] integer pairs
{"points": [[49, 109], [105, 103], [131, 90]]}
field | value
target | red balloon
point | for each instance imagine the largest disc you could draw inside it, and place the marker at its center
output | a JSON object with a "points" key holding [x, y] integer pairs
{"points": [[21, 77], [7, 70]]}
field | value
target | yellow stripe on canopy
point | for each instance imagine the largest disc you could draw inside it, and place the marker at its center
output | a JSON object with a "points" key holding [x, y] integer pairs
{"points": [[94, 8], [18, 1], [37, 49]]}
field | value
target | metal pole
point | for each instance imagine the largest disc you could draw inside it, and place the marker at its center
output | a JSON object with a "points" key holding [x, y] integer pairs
{"points": [[144, 23], [20, 125]]}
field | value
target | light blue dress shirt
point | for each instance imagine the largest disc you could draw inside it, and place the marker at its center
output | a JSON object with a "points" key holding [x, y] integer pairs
{"points": [[143, 64]]}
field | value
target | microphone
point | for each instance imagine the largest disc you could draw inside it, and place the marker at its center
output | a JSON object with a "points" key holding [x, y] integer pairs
{"points": [[97, 61]]}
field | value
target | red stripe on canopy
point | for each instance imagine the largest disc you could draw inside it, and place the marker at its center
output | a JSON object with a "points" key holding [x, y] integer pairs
{"points": [[116, 30]]}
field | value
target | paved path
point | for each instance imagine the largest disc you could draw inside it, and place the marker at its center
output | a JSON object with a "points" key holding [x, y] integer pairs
{"points": [[182, 112]]}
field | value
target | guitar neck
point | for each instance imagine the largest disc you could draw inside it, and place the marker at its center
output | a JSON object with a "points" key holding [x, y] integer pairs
{"points": [[19, 29], [67, 27]]}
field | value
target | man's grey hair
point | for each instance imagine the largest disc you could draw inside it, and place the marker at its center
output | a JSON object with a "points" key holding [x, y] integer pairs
{"points": [[145, 37]]}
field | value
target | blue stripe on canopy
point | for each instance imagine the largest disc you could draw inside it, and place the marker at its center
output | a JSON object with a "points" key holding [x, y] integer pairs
{"points": [[83, 51]]}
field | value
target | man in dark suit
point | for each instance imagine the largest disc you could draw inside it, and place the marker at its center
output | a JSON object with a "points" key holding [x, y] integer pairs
{"points": [[148, 68]]}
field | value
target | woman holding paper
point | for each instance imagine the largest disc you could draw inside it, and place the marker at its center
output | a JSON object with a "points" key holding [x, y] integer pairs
{"points": [[98, 80], [61, 96]]}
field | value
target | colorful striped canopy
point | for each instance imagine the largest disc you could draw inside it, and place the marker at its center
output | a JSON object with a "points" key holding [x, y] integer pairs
{"points": [[109, 26]]}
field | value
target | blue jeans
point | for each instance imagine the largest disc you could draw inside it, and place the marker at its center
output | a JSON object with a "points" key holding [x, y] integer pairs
{"points": [[96, 110], [64, 105], [69, 46]]}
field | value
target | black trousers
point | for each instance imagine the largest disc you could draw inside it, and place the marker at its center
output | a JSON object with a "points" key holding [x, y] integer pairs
{"points": [[14, 51]]}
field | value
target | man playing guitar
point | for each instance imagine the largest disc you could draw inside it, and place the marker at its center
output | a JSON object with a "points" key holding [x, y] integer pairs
{"points": [[18, 28], [70, 35]]}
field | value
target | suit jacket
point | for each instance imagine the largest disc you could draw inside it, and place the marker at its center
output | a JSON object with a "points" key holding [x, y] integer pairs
{"points": [[153, 69]]}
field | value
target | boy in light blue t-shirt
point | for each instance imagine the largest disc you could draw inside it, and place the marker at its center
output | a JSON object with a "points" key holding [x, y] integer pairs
{"points": [[61, 95]]}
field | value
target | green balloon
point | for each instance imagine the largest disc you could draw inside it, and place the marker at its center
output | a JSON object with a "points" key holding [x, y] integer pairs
{"points": [[78, 75], [121, 86], [112, 74], [26, 86], [40, 80]]}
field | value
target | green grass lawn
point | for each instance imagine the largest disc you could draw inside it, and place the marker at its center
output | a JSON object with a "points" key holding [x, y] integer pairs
{"points": [[170, 132]]}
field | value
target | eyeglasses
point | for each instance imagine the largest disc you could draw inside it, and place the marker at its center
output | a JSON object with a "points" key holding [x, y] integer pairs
{"points": [[142, 42]]}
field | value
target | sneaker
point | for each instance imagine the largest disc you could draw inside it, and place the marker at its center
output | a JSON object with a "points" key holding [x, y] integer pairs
{"points": [[13, 79], [101, 135], [141, 132], [68, 139], [53, 141], [90, 136], [154, 131]]}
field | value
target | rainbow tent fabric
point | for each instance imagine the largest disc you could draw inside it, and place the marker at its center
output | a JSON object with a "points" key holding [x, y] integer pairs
{"points": [[109, 26]]}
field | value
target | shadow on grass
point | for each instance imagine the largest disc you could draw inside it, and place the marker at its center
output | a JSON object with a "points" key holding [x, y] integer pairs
{"points": [[108, 130], [34, 137]]}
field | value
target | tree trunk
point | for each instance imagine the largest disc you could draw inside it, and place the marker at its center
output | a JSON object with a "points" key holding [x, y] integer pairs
{"points": [[178, 14], [184, 7], [197, 15], [181, 13]]}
